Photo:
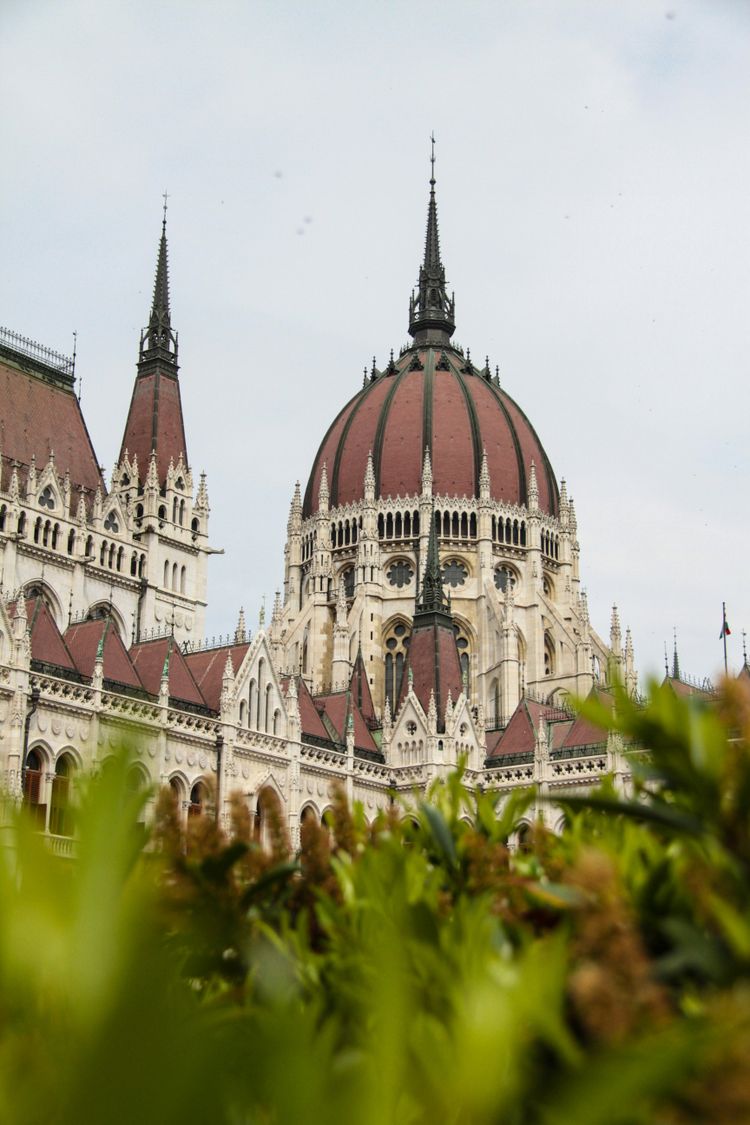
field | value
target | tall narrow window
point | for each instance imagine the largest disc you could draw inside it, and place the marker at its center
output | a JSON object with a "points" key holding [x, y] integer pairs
{"points": [[60, 816]]}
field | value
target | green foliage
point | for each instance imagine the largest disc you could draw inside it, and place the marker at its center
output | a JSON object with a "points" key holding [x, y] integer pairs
{"points": [[412, 971]]}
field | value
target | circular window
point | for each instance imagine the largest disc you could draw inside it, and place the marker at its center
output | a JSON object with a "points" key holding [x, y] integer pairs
{"points": [[504, 575], [400, 574], [411, 727], [454, 573]]}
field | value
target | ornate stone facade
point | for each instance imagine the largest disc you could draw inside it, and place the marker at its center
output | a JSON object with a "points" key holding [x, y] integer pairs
{"points": [[432, 611]]}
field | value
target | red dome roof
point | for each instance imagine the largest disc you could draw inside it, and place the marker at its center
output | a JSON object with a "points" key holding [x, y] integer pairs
{"points": [[431, 397]]}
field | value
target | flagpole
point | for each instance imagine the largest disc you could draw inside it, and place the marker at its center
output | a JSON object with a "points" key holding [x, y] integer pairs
{"points": [[724, 633]]}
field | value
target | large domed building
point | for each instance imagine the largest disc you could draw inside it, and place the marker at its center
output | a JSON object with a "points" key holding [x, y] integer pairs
{"points": [[432, 607], [432, 444]]}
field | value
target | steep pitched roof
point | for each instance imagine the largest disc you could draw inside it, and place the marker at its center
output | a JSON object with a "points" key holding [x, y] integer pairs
{"points": [[38, 416], [149, 658], [312, 723], [336, 706], [680, 688], [207, 668], [83, 642], [360, 689], [47, 644]]}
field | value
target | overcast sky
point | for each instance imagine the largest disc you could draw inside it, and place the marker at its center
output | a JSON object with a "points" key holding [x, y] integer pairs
{"points": [[594, 203]]}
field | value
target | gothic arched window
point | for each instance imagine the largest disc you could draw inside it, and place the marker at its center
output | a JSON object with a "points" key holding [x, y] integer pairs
{"points": [[464, 652], [396, 647]]}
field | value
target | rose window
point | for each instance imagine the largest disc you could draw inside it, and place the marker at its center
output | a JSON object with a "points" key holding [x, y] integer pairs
{"points": [[111, 524], [454, 573], [400, 574], [504, 575]]}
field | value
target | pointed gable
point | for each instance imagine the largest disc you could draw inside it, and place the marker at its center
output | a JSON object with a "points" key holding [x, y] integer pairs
{"points": [[360, 690], [149, 658], [312, 724], [47, 644], [335, 706], [518, 737], [435, 666], [83, 642], [207, 669]]}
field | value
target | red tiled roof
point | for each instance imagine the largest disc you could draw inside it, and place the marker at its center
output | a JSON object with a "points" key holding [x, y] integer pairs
{"points": [[335, 708], [155, 422], [435, 666], [584, 733], [207, 669], [311, 721], [518, 736], [83, 642], [453, 412], [148, 659], [360, 689], [36, 417], [685, 690], [47, 644]]}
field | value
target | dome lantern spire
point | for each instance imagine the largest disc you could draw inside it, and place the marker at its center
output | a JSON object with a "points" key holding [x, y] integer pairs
{"points": [[431, 310]]}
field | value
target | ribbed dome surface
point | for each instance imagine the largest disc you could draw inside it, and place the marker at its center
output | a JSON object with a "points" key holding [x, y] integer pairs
{"points": [[431, 397]]}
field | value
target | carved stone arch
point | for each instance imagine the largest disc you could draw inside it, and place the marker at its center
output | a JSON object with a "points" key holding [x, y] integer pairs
{"points": [[42, 589], [36, 770], [178, 782], [269, 781], [266, 792], [45, 751], [310, 809], [73, 753], [326, 817], [67, 767], [100, 611], [200, 797], [559, 697]]}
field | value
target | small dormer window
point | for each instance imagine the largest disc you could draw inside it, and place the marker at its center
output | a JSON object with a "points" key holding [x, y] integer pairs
{"points": [[111, 524], [180, 484], [47, 499]]}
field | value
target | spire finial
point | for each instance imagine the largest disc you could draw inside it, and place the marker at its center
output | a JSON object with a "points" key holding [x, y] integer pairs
{"points": [[431, 310], [432, 595], [158, 341], [675, 658]]}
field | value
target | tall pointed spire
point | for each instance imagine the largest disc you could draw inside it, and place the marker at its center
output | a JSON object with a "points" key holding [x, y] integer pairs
{"points": [[431, 310], [158, 341], [155, 422], [675, 659], [432, 598]]}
